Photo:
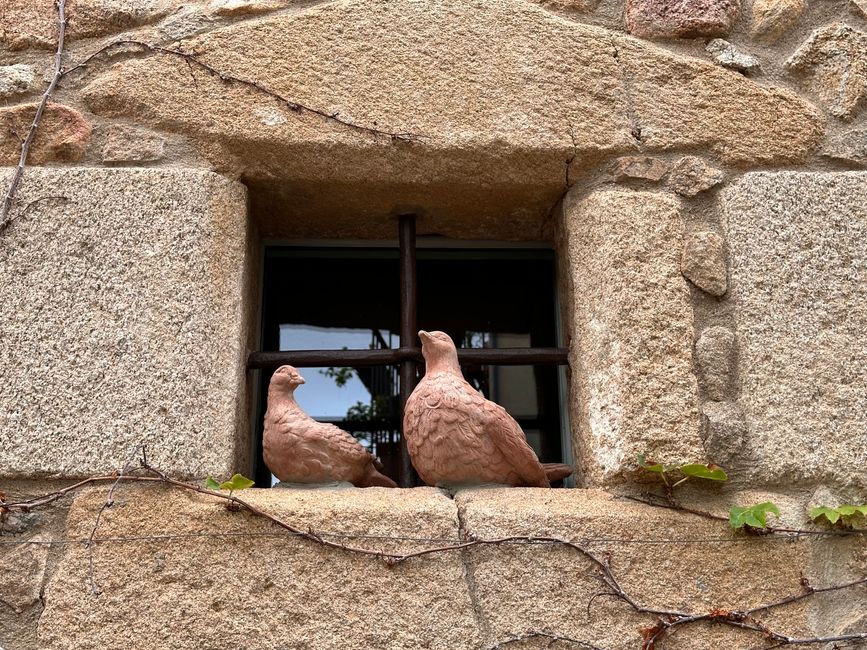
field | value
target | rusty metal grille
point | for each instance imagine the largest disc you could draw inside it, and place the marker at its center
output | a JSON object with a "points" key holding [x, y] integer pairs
{"points": [[407, 358]]}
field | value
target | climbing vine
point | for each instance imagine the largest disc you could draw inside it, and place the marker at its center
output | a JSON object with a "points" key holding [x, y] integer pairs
{"points": [[601, 568]]}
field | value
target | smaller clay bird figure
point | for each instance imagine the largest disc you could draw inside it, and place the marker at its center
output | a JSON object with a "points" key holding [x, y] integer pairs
{"points": [[457, 437], [298, 449]]}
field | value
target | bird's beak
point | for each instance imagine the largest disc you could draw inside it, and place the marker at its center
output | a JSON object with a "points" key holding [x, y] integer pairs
{"points": [[301, 380], [424, 336]]}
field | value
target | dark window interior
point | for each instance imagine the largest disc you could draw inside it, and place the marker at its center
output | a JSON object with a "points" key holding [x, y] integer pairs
{"points": [[330, 298]]}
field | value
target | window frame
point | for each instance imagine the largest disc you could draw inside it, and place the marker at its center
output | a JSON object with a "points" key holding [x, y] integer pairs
{"points": [[408, 356]]}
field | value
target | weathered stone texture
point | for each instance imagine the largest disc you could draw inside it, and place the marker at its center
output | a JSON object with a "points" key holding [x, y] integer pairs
{"points": [[33, 23], [850, 147], [771, 19], [715, 358], [191, 574], [123, 322], [577, 6], [692, 175], [633, 389], [129, 144], [495, 125], [726, 440], [676, 19], [519, 588], [677, 103], [23, 574], [16, 79], [728, 56], [62, 135], [245, 7], [703, 262], [209, 589], [186, 22], [798, 251], [640, 167], [834, 60]]}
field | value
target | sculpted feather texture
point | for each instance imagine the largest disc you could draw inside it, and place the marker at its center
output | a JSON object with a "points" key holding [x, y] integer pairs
{"points": [[456, 436], [298, 449]]}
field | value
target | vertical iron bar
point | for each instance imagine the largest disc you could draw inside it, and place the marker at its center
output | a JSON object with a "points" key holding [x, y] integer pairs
{"points": [[408, 332]]}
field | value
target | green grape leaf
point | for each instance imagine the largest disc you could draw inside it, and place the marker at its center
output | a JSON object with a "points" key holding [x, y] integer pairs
{"points": [[237, 482], [754, 516], [710, 471], [211, 484], [829, 513], [833, 515]]}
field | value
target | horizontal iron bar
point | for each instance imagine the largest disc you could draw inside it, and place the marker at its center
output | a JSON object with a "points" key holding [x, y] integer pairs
{"points": [[363, 358]]}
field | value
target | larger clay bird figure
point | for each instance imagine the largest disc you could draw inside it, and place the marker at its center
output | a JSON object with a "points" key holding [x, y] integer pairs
{"points": [[298, 449], [457, 437]]}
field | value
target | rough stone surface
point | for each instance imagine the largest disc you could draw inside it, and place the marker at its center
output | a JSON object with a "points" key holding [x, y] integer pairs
{"points": [[33, 23], [692, 175], [129, 144], [16, 79], [268, 590], [245, 7], [641, 167], [675, 19], [704, 262], [124, 322], [23, 573], [860, 6], [569, 6], [677, 103], [187, 21], [633, 388], [772, 19], [715, 358], [834, 61], [203, 581], [62, 136], [728, 56], [726, 440], [850, 147], [798, 251], [495, 125], [521, 588]]}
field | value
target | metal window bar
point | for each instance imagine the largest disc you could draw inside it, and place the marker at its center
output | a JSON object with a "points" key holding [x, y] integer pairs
{"points": [[408, 356]]}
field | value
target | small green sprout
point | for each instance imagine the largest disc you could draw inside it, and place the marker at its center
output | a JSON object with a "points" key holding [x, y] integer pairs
{"points": [[755, 516], [237, 482]]}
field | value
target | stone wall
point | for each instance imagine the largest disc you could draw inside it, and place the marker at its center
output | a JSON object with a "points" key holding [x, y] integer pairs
{"points": [[694, 164]]}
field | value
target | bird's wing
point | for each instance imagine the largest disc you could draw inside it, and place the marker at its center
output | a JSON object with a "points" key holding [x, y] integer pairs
{"points": [[443, 432], [322, 449], [509, 438], [341, 445]]}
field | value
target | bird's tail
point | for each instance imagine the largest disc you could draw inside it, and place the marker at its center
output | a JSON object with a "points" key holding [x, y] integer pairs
{"points": [[375, 479], [556, 471]]}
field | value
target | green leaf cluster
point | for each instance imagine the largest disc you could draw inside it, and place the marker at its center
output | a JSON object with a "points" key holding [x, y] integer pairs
{"points": [[833, 515], [709, 471], [755, 516], [237, 482]]}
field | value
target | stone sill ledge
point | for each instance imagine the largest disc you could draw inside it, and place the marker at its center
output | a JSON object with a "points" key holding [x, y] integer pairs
{"points": [[177, 568]]}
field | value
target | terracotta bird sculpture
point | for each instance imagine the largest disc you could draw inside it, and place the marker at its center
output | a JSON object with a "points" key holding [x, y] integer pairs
{"points": [[457, 437], [298, 449]]}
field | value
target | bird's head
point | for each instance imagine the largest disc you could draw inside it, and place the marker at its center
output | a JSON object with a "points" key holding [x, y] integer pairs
{"points": [[286, 378], [439, 352]]}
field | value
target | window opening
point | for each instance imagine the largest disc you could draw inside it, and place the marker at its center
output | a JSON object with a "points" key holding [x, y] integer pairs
{"points": [[488, 300]]}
